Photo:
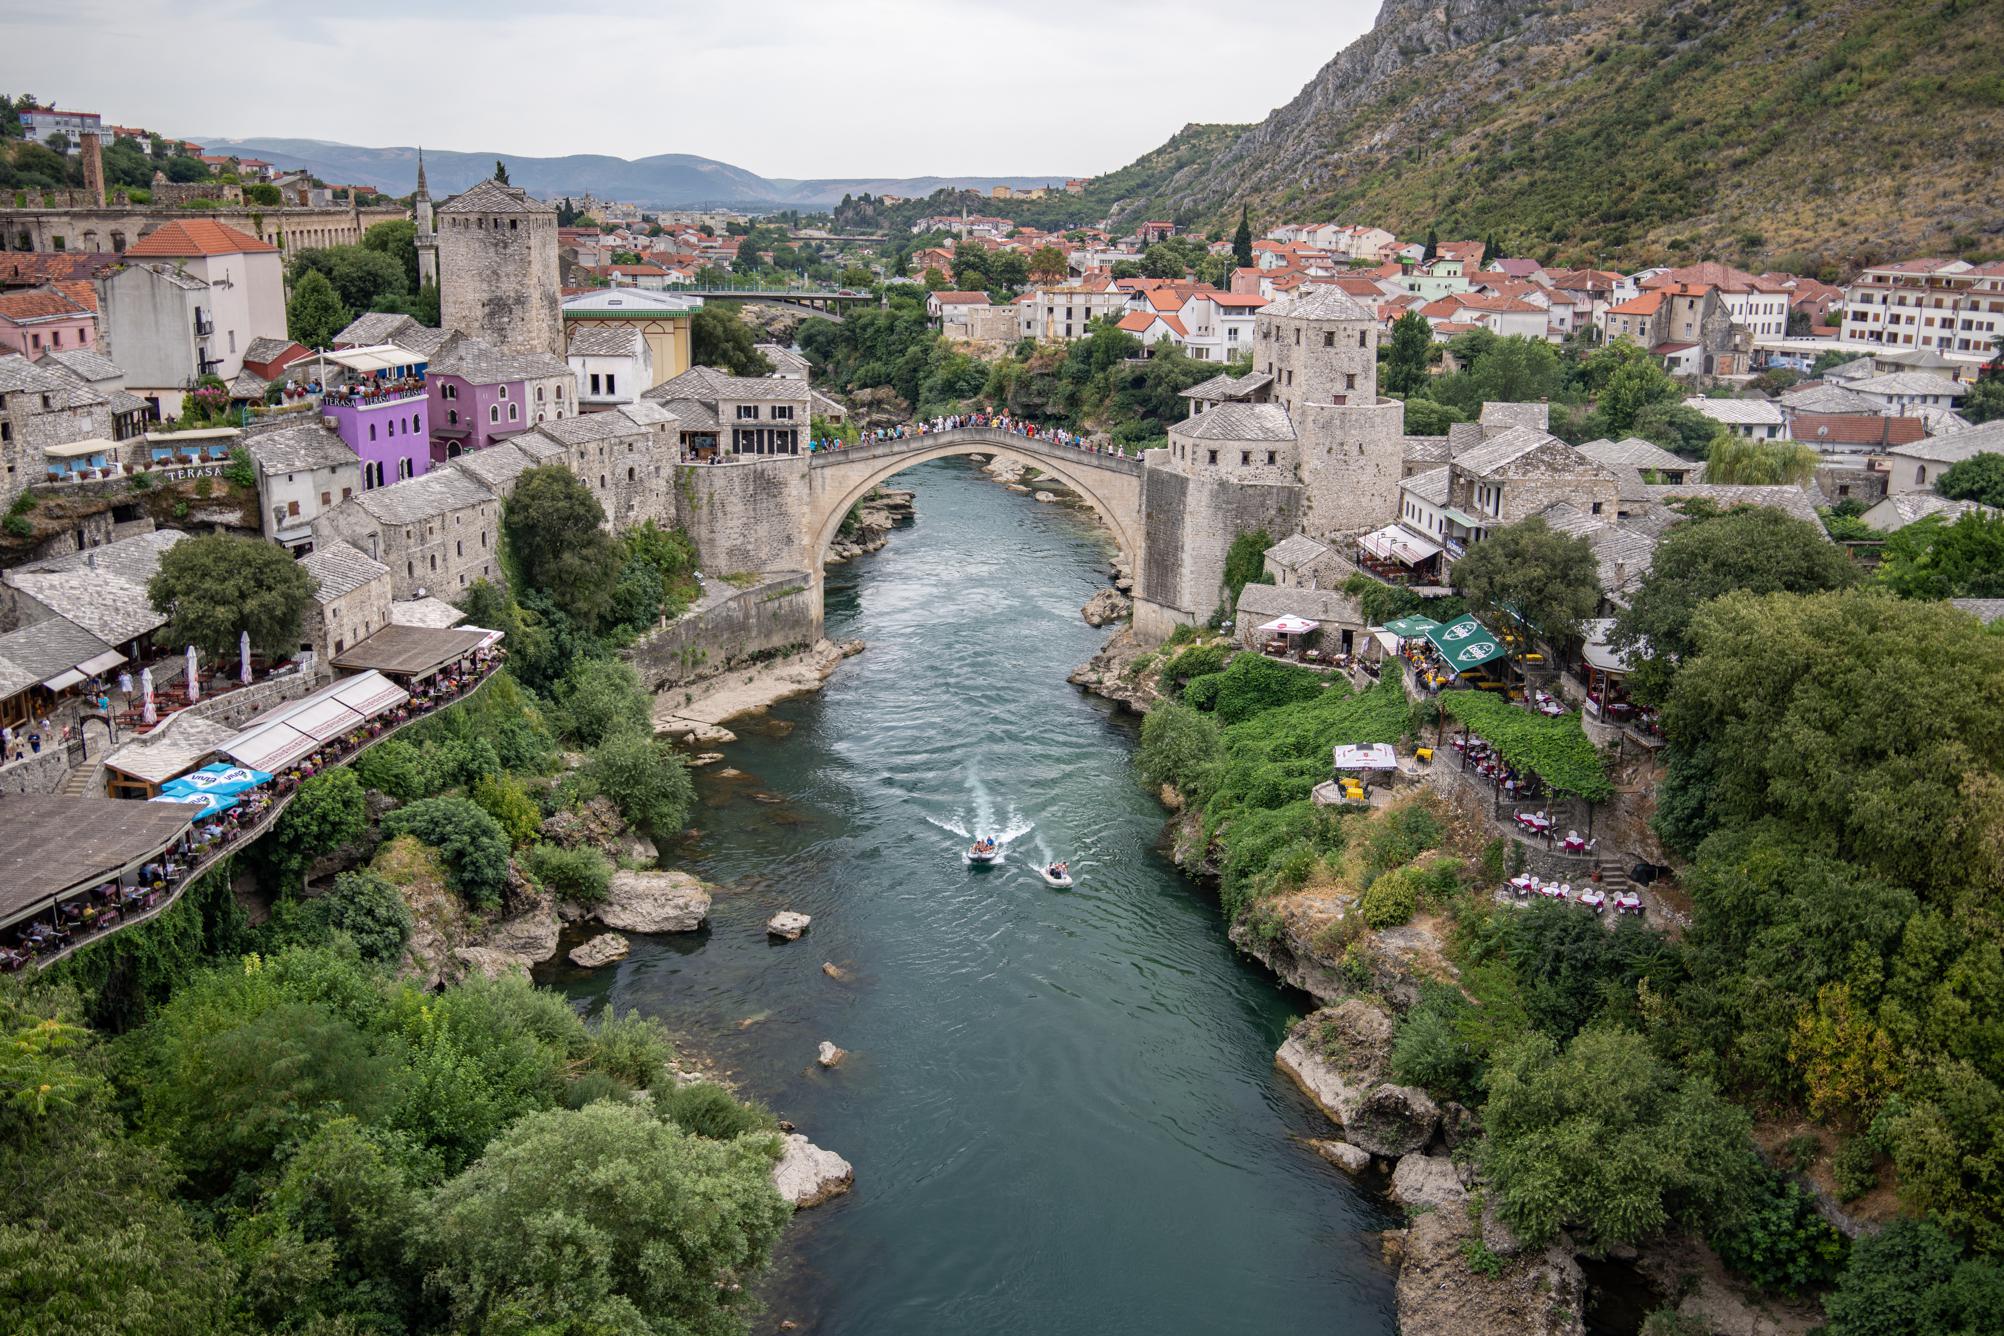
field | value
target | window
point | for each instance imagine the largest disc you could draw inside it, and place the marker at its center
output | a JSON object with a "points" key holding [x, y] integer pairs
{"points": [[1596, 507], [1363, 338], [747, 412], [1329, 339], [1210, 456], [782, 413], [372, 431], [347, 492], [611, 383], [493, 412], [1349, 380], [514, 412], [1272, 457], [560, 396], [460, 547], [233, 340], [452, 417], [1245, 458], [504, 391], [594, 382], [539, 394], [327, 498], [291, 508]]}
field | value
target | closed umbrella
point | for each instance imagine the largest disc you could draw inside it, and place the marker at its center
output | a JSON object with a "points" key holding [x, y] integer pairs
{"points": [[148, 714], [194, 678], [243, 656]]}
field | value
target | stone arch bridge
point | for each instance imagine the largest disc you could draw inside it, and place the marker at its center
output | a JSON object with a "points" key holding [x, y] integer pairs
{"points": [[838, 479]]}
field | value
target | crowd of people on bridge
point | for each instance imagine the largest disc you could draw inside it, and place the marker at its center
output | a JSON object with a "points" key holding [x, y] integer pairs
{"points": [[945, 422]]}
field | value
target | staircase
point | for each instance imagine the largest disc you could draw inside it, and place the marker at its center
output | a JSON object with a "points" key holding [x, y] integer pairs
{"points": [[1613, 876], [84, 781]]}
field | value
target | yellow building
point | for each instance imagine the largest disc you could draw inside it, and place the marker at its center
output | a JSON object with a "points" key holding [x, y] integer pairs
{"points": [[664, 319]]}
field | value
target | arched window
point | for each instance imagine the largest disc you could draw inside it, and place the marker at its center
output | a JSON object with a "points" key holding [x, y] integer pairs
{"points": [[1920, 473], [452, 417]]}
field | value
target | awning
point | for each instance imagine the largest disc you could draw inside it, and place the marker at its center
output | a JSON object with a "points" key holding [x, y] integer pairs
{"points": [[369, 694], [1369, 756], [64, 679], [1465, 643], [221, 780], [270, 748], [1397, 543], [1290, 626], [207, 804], [97, 445], [324, 719], [1598, 652], [102, 663], [1411, 626], [1461, 517], [380, 357]]}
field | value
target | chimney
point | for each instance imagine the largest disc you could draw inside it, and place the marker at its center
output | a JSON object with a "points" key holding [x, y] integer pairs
{"points": [[92, 148]]}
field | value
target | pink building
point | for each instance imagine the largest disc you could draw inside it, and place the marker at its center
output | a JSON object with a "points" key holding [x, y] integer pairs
{"points": [[39, 320], [481, 395]]}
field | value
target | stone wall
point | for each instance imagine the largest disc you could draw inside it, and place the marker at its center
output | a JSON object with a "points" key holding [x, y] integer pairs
{"points": [[729, 627], [502, 282], [1188, 524], [1352, 457], [110, 229], [41, 772], [746, 517]]}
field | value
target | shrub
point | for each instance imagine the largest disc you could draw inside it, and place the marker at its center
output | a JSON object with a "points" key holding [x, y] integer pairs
{"points": [[1855, 1166], [631, 1048], [241, 470], [393, 767], [471, 842], [1254, 684], [1390, 900], [1201, 693], [1778, 1241], [1430, 1049], [1195, 661], [580, 875], [1914, 1279], [645, 779], [365, 907], [502, 797], [598, 698], [1179, 746], [709, 1110]]}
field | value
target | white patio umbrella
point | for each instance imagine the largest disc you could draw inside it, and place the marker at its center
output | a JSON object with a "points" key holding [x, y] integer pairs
{"points": [[1290, 626], [194, 677], [243, 657], [148, 714]]}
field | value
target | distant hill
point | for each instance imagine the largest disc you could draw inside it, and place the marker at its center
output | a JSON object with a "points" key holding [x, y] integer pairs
{"points": [[666, 181], [1632, 131]]}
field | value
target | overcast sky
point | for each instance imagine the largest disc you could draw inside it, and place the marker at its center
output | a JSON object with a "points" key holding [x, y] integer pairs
{"points": [[792, 88]]}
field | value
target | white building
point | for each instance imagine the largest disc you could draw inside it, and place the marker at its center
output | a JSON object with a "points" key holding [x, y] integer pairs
{"points": [[1902, 392], [302, 471], [613, 366], [1755, 419], [43, 123], [1952, 306]]}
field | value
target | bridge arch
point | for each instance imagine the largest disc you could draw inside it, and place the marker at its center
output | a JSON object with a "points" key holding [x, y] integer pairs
{"points": [[1111, 485]]}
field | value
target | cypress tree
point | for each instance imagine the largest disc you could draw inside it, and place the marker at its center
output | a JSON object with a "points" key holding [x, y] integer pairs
{"points": [[1242, 255]]}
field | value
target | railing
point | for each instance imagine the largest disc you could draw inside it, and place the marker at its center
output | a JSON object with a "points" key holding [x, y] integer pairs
{"points": [[1013, 442], [204, 326], [244, 835]]}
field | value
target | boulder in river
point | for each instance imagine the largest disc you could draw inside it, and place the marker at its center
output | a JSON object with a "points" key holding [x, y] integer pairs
{"points": [[1337, 1055], [1539, 1294], [807, 1175], [834, 971], [1350, 1159], [787, 925], [829, 1055], [1428, 1181], [655, 901], [1047, 497], [1393, 1120], [601, 950], [1108, 605]]}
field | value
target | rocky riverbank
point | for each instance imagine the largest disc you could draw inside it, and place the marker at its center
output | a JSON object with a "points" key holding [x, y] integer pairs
{"points": [[697, 712], [876, 515]]}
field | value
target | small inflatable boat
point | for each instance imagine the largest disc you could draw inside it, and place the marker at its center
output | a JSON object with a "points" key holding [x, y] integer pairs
{"points": [[980, 853], [1057, 876]]}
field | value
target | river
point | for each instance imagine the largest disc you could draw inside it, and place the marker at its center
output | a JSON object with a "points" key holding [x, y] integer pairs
{"points": [[1062, 1106]]}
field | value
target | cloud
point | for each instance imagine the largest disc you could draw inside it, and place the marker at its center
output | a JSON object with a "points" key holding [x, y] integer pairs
{"points": [[789, 88]]}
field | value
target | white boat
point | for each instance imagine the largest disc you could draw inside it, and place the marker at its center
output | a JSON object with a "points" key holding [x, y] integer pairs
{"points": [[977, 854], [1061, 880]]}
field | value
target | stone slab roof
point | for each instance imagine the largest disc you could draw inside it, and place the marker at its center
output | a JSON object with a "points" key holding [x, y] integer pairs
{"points": [[1239, 422], [374, 327], [693, 415], [1426, 450], [102, 589], [483, 364], [1985, 610], [1903, 508], [645, 413], [1226, 386], [264, 348], [84, 363], [492, 197], [1788, 500], [604, 341], [300, 448], [36, 653], [1321, 304], [341, 569], [427, 611], [496, 467], [1430, 486], [1296, 551], [1500, 452], [427, 496], [1910, 382], [1264, 602], [1956, 446], [1738, 412], [1632, 452], [1827, 399]]}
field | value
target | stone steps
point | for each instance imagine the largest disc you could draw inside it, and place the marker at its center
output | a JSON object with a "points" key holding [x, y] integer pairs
{"points": [[82, 781], [1613, 876]]}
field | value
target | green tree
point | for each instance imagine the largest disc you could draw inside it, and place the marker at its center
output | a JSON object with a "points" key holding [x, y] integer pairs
{"points": [[1677, 427], [1985, 400], [1408, 357], [213, 588], [501, 171], [1424, 417], [1929, 559], [646, 779], [1242, 241], [1752, 549], [1545, 581], [551, 524], [1606, 1140], [364, 907], [1913, 1279], [366, 279], [1634, 381], [315, 314], [720, 339], [471, 842], [329, 811], [1432, 246], [1735, 459], [598, 698], [184, 170], [1979, 478], [605, 1218], [398, 240]]}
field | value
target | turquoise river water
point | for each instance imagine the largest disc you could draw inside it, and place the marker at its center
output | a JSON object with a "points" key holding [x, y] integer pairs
{"points": [[1061, 1105]]}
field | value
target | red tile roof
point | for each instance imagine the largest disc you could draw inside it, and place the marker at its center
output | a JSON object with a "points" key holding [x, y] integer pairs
{"points": [[38, 304], [197, 236], [962, 298], [1855, 429]]}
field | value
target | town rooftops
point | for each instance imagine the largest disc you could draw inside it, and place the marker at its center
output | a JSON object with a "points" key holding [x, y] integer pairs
{"points": [[1827, 399], [264, 349], [961, 298], [1904, 508], [102, 589], [427, 496], [1737, 412], [492, 197], [1227, 386], [1910, 382], [1955, 447], [30, 305], [604, 341], [300, 448], [1239, 422], [1789, 500], [1430, 486], [1296, 551], [497, 467], [709, 385], [185, 238], [340, 568], [373, 328], [1855, 429], [1321, 303], [43, 651], [1635, 453], [782, 357], [483, 364], [1496, 455], [83, 363]]}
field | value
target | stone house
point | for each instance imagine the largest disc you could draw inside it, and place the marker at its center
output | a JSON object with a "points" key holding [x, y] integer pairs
{"points": [[437, 534], [35, 320], [302, 470], [625, 458], [102, 589], [612, 366], [101, 375], [39, 409], [351, 601], [1299, 562], [241, 299], [736, 415], [1918, 467], [479, 394], [1519, 472], [1753, 419]]}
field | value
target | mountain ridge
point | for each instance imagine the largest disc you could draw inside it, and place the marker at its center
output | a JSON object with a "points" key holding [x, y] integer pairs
{"points": [[662, 180]]}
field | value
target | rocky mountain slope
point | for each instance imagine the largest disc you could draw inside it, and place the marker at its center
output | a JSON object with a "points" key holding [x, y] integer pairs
{"points": [[1633, 130]]}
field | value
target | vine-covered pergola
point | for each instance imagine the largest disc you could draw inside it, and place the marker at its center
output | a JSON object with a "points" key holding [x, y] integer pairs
{"points": [[1557, 751]]}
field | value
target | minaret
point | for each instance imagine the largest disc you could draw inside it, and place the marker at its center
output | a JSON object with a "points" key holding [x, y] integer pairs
{"points": [[427, 238]]}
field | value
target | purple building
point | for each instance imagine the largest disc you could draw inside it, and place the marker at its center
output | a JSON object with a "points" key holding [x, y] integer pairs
{"points": [[481, 395], [383, 412]]}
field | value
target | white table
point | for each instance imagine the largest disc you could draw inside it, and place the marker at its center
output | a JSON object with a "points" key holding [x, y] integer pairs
{"points": [[1593, 898]]}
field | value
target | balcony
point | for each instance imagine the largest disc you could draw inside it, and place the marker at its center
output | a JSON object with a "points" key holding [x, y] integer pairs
{"points": [[204, 325]]}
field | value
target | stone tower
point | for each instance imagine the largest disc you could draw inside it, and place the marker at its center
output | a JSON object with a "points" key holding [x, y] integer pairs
{"points": [[1321, 348], [427, 236], [497, 269]]}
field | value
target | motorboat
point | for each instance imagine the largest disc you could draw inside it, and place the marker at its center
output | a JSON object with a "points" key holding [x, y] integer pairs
{"points": [[984, 851], [1056, 874]]}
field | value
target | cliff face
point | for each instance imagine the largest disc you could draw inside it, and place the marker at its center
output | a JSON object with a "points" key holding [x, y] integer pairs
{"points": [[1633, 131]]}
